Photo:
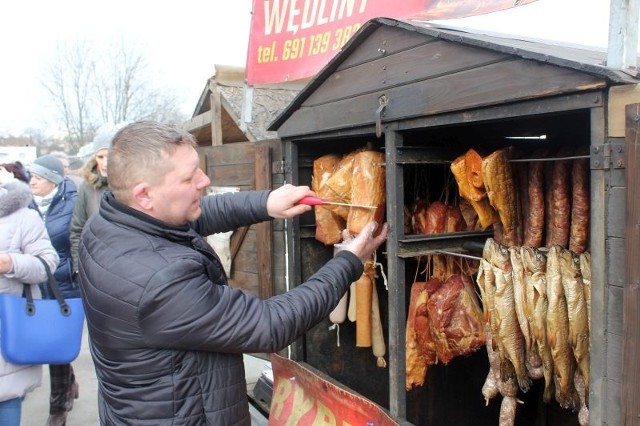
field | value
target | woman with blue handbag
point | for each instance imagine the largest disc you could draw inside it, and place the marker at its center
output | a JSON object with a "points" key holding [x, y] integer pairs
{"points": [[23, 238], [55, 197]]}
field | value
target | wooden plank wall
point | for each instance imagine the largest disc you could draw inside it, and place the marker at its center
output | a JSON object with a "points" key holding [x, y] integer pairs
{"points": [[420, 76], [614, 249], [599, 277], [259, 263], [630, 393]]}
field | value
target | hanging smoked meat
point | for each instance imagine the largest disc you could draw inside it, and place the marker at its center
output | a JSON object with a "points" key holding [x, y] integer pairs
{"points": [[419, 218], [429, 218], [578, 236], [423, 324], [444, 321], [534, 222], [521, 176], [368, 183], [416, 362], [340, 183], [469, 214], [454, 221], [455, 319], [559, 206], [329, 225], [473, 170], [501, 191], [487, 215], [438, 218]]}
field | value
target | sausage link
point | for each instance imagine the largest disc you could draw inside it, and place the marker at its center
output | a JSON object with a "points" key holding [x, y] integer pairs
{"points": [[560, 204], [534, 228], [578, 239]]}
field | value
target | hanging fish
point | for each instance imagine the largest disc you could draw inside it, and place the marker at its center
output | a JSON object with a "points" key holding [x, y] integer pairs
{"points": [[535, 264], [576, 311], [532, 359], [510, 340], [558, 333]]}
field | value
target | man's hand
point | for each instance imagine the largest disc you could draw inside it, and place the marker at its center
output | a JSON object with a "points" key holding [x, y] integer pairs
{"points": [[282, 202], [364, 244]]}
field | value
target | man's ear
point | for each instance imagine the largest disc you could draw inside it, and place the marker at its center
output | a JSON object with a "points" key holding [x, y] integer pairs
{"points": [[141, 196]]}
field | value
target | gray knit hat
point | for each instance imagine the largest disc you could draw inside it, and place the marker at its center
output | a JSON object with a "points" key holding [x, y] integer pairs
{"points": [[49, 168], [103, 137]]}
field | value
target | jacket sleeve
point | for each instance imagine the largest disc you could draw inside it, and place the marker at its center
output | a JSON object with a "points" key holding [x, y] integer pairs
{"points": [[229, 211], [222, 319], [78, 219], [34, 242]]}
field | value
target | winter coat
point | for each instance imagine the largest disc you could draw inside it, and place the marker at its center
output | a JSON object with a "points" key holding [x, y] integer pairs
{"points": [[23, 236], [167, 332], [89, 194], [57, 220]]}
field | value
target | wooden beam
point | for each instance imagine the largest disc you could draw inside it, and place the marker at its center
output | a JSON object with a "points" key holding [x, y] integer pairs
{"points": [[198, 122], [623, 34], [216, 115], [264, 229], [598, 403], [236, 241], [396, 270], [619, 98], [630, 392]]}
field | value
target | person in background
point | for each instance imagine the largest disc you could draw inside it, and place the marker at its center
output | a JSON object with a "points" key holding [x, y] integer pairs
{"points": [[55, 197], [22, 237], [166, 330], [64, 159], [94, 184], [75, 169], [17, 170]]}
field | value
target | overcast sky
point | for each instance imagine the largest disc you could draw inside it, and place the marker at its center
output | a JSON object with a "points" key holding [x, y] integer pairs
{"points": [[186, 39]]}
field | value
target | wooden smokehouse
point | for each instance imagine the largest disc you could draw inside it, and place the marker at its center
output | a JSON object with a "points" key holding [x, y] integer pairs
{"points": [[424, 96]]}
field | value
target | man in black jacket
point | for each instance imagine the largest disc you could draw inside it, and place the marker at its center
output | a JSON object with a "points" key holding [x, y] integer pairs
{"points": [[167, 333]]}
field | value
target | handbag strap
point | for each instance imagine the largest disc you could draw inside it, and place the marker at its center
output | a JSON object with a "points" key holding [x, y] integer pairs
{"points": [[65, 309]]}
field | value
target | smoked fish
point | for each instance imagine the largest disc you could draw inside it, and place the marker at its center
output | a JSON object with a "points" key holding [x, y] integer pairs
{"points": [[558, 334], [577, 312], [535, 264], [510, 340]]}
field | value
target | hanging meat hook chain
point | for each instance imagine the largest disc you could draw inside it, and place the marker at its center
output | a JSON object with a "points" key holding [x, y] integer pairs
{"points": [[383, 103]]}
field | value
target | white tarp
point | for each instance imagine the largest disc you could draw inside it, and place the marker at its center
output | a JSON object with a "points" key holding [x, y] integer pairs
{"points": [[221, 242]]}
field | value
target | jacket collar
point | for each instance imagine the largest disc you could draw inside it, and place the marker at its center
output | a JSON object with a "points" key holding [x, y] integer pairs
{"points": [[115, 211]]}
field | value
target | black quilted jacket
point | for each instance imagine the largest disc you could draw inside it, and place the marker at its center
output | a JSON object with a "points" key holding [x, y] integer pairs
{"points": [[167, 333]]}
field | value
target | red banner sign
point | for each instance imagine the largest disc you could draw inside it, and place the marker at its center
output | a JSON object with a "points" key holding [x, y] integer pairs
{"points": [[301, 397], [294, 39]]}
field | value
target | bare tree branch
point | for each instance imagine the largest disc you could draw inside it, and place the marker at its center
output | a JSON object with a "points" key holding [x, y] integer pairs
{"points": [[92, 85]]}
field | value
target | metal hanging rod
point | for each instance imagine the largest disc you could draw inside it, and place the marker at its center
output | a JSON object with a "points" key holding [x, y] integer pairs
{"points": [[527, 160], [452, 253]]}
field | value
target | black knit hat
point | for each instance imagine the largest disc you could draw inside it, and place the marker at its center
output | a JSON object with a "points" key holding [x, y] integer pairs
{"points": [[49, 168]]}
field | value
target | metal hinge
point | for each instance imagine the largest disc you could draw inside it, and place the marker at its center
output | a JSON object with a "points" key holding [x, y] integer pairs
{"points": [[608, 156]]}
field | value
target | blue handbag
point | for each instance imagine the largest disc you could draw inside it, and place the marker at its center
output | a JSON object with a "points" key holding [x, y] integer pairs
{"points": [[40, 331]]}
